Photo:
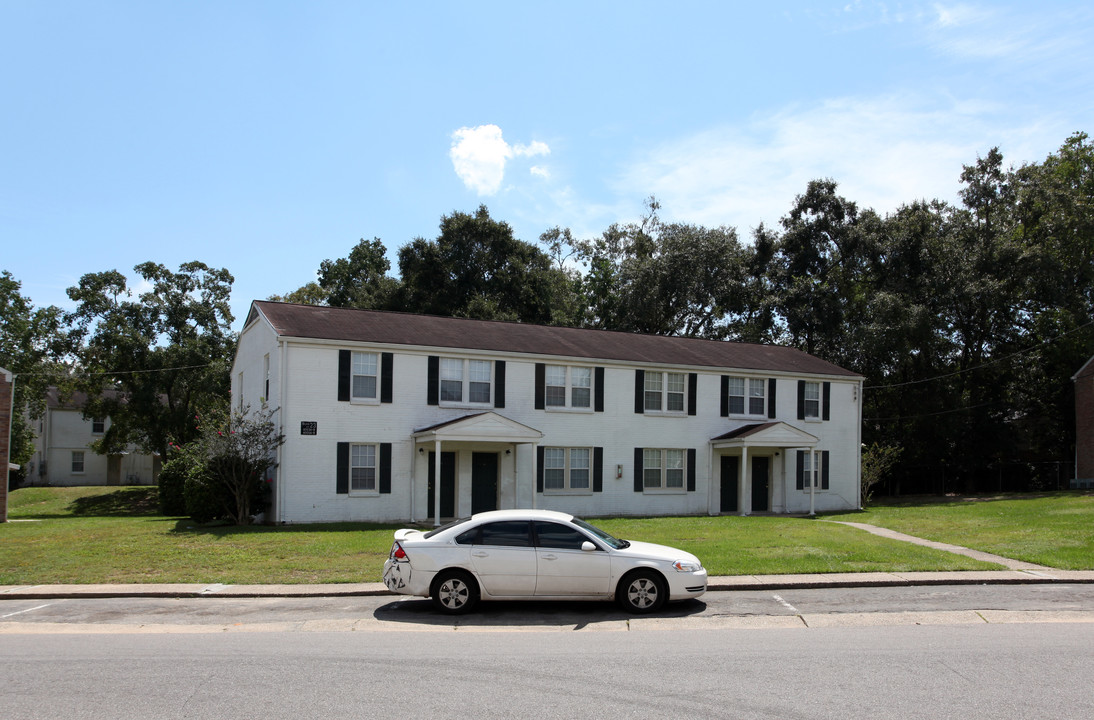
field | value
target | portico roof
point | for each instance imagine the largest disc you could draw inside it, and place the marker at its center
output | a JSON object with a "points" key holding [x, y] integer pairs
{"points": [[479, 427], [771, 434]]}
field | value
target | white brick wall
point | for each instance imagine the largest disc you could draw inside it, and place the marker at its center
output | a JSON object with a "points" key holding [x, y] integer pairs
{"points": [[307, 475]]}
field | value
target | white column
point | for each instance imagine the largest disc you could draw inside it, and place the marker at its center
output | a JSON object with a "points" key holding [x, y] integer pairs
{"points": [[812, 479], [436, 483], [535, 474], [744, 500]]}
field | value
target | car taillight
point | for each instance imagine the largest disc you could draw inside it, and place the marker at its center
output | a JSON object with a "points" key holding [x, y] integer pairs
{"points": [[397, 552]]}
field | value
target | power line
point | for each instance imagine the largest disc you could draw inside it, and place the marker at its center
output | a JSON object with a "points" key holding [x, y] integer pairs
{"points": [[982, 365]]}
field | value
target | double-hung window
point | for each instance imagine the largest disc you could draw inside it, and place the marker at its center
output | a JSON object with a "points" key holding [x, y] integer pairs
{"points": [[664, 391], [456, 373], [362, 469], [567, 469], [98, 426], [812, 399], [77, 461], [365, 375], [747, 396], [662, 469], [568, 387]]}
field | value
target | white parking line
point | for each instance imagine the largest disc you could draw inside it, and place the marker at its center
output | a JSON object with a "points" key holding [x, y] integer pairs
{"points": [[20, 612], [786, 605]]}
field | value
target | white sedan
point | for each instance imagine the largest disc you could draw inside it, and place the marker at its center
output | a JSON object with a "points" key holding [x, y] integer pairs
{"points": [[537, 555]]}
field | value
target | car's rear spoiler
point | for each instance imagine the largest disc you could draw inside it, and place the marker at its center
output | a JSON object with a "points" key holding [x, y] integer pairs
{"points": [[407, 532]]}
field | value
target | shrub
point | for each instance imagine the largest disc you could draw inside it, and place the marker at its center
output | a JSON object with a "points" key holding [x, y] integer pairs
{"points": [[172, 482]]}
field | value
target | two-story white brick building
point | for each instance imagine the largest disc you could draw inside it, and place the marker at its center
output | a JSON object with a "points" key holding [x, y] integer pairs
{"points": [[376, 405], [63, 454]]}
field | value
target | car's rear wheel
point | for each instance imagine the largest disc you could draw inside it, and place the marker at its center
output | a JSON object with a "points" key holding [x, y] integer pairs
{"points": [[642, 591], [455, 592]]}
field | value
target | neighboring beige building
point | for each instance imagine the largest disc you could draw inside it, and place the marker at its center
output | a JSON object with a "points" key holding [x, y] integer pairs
{"points": [[63, 454]]}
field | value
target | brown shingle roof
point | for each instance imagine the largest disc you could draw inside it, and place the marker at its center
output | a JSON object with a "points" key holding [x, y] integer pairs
{"points": [[371, 326]]}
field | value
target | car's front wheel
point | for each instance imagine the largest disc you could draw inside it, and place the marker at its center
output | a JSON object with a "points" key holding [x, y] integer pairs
{"points": [[455, 592], [642, 591]]}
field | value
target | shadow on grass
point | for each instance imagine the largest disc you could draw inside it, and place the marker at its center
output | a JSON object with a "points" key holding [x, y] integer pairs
{"points": [[130, 502], [187, 526]]}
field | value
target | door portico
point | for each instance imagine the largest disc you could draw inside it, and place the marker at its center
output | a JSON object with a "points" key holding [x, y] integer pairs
{"points": [[759, 455], [473, 439]]}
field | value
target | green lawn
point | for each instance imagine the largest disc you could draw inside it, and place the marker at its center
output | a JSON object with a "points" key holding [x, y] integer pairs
{"points": [[101, 535], [1056, 529]]}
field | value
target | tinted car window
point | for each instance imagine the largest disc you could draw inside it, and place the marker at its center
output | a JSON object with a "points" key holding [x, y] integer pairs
{"points": [[554, 535], [512, 533], [468, 537]]}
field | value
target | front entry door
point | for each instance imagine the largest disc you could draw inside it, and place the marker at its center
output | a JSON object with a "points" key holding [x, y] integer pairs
{"points": [[484, 482], [760, 483], [448, 484], [730, 463]]}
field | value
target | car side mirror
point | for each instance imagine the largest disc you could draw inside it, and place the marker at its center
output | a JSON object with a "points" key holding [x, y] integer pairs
{"points": [[588, 546]]}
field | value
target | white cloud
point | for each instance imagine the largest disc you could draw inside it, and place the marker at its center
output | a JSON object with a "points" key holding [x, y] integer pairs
{"points": [[883, 152], [479, 155], [540, 171]]}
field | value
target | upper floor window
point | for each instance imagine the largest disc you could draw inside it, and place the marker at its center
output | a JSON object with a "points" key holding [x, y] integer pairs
{"points": [[664, 391], [662, 469], [568, 386], [567, 469], [98, 426], [455, 374], [364, 376], [747, 396], [812, 399]]}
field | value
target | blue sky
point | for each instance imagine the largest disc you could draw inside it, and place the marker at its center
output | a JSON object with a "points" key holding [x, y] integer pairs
{"points": [[265, 137]]}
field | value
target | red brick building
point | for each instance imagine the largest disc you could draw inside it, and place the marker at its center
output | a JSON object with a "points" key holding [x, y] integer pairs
{"points": [[1084, 425]]}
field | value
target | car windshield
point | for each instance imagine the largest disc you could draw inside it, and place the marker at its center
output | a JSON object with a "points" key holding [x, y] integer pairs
{"points": [[612, 542], [447, 525]]}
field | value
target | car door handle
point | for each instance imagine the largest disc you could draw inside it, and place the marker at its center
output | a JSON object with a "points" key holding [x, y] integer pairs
{"points": [[549, 557], [480, 554]]}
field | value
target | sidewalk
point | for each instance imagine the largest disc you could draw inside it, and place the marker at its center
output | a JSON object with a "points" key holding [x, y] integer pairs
{"points": [[715, 584]]}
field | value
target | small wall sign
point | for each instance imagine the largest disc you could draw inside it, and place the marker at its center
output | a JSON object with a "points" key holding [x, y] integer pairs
{"points": [[309, 427]]}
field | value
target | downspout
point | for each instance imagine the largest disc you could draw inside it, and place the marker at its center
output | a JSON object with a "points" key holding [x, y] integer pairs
{"points": [[861, 403], [279, 493]]}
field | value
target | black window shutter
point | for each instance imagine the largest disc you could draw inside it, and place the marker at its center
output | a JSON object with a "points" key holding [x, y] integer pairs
{"points": [[341, 485], [693, 393], [385, 468], [541, 382], [499, 383], [539, 468], [598, 469], [801, 399], [387, 363], [691, 469], [800, 477], [433, 381], [824, 470], [345, 360], [725, 396], [598, 389], [771, 384], [639, 389], [826, 401], [638, 468]]}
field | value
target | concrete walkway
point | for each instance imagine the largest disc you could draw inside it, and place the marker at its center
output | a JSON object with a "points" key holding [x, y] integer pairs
{"points": [[1018, 572], [956, 549]]}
